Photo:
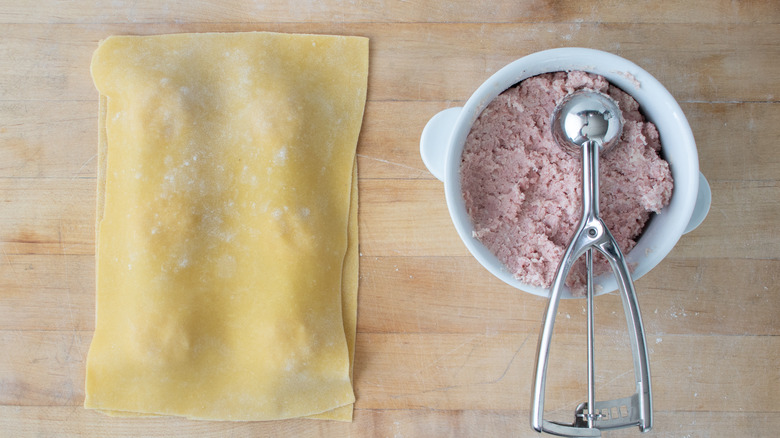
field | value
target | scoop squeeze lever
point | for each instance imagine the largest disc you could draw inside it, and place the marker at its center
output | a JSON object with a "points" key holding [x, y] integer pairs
{"points": [[591, 122]]}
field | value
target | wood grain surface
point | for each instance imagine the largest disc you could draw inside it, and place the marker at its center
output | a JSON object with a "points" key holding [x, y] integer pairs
{"points": [[443, 348]]}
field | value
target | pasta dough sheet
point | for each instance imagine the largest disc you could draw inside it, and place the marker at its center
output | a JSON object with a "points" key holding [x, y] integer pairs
{"points": [[227, 255]]}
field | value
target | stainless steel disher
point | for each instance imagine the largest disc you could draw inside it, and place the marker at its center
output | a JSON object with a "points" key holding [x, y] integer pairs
{"points": [[591, 122]]}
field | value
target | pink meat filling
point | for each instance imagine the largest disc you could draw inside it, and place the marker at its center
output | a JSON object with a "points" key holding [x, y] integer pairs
{"points": [[523, 191]]}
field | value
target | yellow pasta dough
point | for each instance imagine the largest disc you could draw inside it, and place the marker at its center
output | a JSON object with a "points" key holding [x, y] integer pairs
{"points": [[227, 225]]}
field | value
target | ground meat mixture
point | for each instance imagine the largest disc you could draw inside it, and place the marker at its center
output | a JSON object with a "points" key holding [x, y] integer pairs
{"points": [[523, 191]]}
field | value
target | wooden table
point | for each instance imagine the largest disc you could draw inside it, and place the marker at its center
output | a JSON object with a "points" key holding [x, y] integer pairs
{"points": [[443, 348]]}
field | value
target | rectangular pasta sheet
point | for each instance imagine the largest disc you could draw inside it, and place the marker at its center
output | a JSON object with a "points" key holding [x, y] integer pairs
{"points": [[227, 225]]}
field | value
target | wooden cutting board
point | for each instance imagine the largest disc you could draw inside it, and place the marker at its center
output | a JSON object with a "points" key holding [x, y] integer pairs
{"points": [[443, 348]]}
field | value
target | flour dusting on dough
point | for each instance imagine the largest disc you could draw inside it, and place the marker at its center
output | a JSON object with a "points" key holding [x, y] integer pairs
{"points": [[281, 156], [226, 266]]}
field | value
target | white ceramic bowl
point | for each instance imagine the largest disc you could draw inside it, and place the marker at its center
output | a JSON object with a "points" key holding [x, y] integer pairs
{"points": [[445, 134]]}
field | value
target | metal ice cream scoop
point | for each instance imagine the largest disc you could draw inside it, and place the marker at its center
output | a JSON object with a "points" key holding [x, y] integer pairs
{"points": [[587, 116], [591, 122]]}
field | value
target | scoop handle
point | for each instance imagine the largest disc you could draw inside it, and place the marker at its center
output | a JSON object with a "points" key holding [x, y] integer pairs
{"points": [[435, 140]]}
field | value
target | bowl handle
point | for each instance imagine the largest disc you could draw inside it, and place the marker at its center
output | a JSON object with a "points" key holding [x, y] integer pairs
{"points": [[435, 140], [702, 207]]}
